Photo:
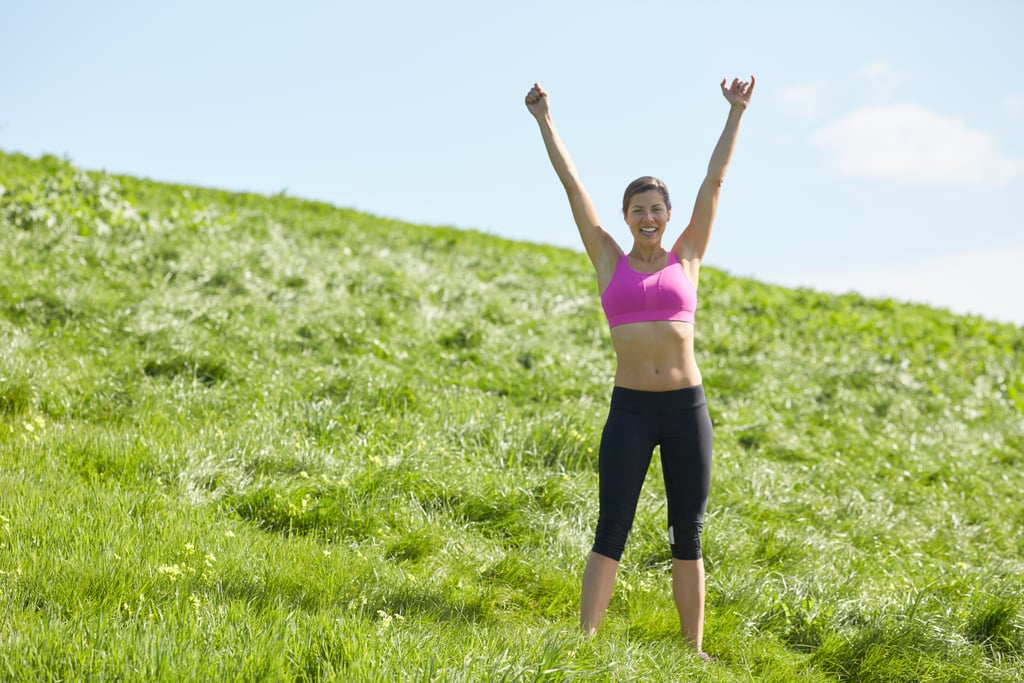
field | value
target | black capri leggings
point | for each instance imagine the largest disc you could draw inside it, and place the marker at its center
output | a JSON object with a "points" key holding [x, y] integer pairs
{"points": [[678, 421]]}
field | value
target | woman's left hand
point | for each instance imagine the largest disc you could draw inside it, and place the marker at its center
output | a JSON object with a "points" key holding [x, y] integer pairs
{"points": [[739, 92]]}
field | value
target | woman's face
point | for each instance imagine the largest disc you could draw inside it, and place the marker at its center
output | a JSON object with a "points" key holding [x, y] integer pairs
{"points": [[647, 216]]}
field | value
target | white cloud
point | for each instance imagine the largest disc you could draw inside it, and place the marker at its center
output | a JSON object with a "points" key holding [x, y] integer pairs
{"points": [[802, 100], [908, 143], [884, 76], [988, 282]]}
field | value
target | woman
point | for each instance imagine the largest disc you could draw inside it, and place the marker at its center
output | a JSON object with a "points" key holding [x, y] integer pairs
{"points": [[649, 296]]}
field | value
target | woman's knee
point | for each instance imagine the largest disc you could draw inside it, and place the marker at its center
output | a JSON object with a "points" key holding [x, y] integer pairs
{"points": [[612, 533], [685, 540]]}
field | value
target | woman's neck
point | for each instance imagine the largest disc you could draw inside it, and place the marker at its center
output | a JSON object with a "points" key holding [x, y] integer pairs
{"points": [[648, 255]]}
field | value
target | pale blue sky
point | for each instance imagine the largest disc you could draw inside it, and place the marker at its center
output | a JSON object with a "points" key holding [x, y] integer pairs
{"points": [[883, 152]]}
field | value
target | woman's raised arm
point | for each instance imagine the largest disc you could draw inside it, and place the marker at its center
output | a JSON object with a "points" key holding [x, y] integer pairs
{"points": [[599, 245], [693, 242]]}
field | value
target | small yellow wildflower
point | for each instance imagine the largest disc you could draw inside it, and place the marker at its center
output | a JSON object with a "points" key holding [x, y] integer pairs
{"points": [[173, 571]]}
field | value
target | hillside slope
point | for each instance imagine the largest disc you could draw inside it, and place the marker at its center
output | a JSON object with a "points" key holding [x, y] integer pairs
{"points": [[385, 435]]}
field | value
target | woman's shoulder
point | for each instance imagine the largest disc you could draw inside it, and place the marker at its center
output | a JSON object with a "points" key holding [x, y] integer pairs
{"points": [[607, 262]]}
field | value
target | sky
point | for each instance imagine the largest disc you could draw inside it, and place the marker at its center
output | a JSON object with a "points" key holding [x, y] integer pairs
{"points": [[882, 153]]}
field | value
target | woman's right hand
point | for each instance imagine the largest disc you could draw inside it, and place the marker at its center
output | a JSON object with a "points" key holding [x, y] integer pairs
{"points": [[537, 100]]}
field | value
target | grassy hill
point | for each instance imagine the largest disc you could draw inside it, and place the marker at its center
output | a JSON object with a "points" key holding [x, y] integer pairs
{"points": [[259, 438]]}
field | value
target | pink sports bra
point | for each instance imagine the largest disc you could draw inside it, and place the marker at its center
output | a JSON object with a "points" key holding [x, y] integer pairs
{"points": [[633, 297]]}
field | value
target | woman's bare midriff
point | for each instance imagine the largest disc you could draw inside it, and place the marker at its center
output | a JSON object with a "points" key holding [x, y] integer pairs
{"points": [[655, 356]]}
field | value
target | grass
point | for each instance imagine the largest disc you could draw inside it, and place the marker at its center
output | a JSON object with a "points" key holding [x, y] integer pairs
{"points": [[259, 438]]}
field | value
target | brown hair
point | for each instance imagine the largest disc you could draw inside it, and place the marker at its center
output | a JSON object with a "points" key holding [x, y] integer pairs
{"points": [[643, 184]]}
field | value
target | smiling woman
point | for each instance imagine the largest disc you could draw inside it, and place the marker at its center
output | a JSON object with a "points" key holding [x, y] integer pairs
{"points": [[646, 184], [649, 296]]}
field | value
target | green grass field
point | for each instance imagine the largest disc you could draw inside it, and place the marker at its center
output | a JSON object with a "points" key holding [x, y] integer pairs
{"points": [[258, 438]]}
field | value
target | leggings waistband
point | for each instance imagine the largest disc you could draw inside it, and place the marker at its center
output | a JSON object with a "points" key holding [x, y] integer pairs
{"points": [[658, 401]]}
